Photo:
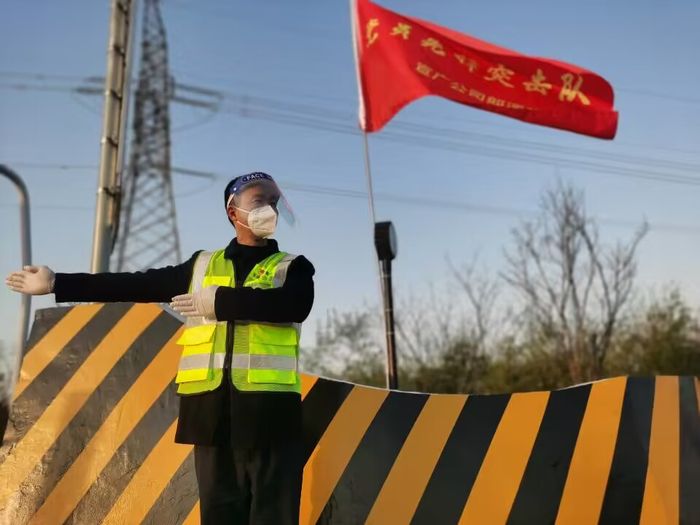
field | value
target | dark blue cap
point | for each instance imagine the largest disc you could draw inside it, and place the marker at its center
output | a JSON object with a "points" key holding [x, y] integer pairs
{"points": [[238, 183]]}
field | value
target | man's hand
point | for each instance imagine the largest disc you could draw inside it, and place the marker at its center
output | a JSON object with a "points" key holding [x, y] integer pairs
{"points": [[198, 304], [32, 280]]}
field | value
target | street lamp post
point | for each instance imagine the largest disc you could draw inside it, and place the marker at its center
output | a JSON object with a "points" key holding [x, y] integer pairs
{"points": [[25, 232]]}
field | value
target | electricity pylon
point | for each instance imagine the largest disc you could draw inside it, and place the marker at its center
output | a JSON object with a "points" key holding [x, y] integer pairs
{"points": [[148, 232]]}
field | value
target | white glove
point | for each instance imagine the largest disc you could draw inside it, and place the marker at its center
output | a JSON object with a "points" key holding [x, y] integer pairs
{"points": [[198, 304], [32, 280]]}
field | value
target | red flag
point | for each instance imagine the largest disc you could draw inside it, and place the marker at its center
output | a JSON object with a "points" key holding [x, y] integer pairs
{"points": [[400, 59]]}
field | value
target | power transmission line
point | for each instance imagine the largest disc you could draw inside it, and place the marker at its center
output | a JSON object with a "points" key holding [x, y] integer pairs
{"points": [[325, 119], [216, 94], [336, 126], [282, 112], [474, 143], [384, 196]]}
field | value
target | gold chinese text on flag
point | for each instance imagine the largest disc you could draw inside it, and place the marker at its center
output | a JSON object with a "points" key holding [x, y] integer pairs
{"points": [[401, 59]]}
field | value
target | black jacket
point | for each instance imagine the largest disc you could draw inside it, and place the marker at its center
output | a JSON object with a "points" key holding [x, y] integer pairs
{"points": [[225, 415]]}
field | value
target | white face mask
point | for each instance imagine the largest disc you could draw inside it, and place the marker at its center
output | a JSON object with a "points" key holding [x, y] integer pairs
{"points": [[261, 221]]}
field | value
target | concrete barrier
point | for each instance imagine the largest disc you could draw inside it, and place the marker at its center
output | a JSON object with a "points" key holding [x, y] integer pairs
{"points": [[90, 440]]}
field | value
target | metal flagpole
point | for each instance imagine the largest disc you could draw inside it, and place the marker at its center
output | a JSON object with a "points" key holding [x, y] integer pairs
{"points": [[368, 176], [384, 238], [368, 170]]}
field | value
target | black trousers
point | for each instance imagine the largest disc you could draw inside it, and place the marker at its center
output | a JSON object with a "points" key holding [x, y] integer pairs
{"points": [[249, 486]]}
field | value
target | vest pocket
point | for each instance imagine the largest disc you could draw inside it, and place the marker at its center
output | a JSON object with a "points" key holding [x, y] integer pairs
{"points": [[277, 377], [273, 354], [195, 361], [271, 334]]}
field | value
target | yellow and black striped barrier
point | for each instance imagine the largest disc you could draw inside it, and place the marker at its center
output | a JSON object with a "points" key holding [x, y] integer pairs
{"points": [[90, 440]]}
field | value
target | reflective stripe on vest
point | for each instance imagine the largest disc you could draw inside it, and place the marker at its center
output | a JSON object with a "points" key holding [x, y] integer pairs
{"points": [[198, 273], [265, 355], [282, 267], [268, 362]]}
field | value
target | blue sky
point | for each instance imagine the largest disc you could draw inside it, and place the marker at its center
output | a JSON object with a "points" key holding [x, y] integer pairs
{"points": [[299, 54]]}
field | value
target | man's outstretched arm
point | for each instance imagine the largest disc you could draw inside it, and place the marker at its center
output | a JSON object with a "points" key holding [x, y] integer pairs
{"points": [[151, 286]]}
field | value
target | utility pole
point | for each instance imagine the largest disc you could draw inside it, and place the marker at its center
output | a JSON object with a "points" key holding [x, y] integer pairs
{"points": [[116, 89], [136, 220]]}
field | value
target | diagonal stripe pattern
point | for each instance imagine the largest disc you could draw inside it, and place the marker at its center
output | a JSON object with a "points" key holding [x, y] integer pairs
{"points": [[92, 428]]}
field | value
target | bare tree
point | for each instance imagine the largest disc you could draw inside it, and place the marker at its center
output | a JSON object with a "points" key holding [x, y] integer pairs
{"points": [[481, 293], [575, 289], [442, 334], [440, 339], [348, 346], [426, 325]]}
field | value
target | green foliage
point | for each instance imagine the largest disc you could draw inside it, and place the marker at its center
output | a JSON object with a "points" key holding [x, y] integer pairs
{"points": [[522, 368], [662, 339], [459, 368], [665, 341], [347, 347]]}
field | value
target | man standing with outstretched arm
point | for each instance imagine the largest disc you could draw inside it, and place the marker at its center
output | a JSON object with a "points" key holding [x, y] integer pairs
{"points": [[238, 380]]}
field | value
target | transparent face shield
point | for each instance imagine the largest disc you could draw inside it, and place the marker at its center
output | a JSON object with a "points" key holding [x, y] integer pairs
{"points": [[271, 194]]}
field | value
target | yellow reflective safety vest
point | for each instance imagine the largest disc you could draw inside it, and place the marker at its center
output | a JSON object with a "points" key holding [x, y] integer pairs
{"points": [[265, 355]]}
